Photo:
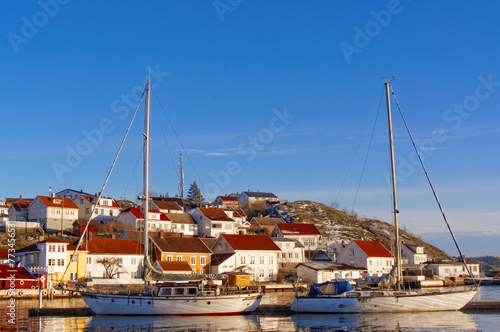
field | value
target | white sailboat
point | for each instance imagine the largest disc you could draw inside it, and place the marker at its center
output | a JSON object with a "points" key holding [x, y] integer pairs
{"points": [[200, 297], [346, 300]]}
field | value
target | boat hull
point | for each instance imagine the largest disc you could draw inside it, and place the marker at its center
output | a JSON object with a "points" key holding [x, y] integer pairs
{"points": [[111, 304], [384, 301]]}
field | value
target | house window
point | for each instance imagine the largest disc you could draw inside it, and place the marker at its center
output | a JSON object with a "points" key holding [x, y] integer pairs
{"points": [[296, 255], [52, 262], [89, 260], [52, 248], [169, 258], [262, 273], [306, 242], [271, 273], [290, 255], [370, 262], [81, 201], [283, 255], [73, 258], [202, 271], [179, 258], [271, 259], [261, 260], [87, 211], [111, 212], [60, 262], [133, 275], [133, 261], [312, 242], [351, 262], [193, 260], [73, 277], [252, 259], [203, 261], [351, 252], [242, 260]]}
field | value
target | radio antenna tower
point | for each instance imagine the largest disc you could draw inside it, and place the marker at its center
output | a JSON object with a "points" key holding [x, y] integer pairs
{"points": [[181, 176]]}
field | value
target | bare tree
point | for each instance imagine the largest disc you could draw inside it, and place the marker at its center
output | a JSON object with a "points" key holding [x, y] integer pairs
{"points": [[112, 266]]}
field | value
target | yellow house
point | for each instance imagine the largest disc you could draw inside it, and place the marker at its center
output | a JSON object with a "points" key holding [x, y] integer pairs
{"points": [[182, 249], [56, 259]]}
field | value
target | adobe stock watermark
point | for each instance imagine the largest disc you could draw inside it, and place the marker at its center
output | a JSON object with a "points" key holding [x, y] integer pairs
{"points": [[31, 26], [223, 6], [92, 138], [364, 36], [250, 147], [454, 117], [12, 271]]}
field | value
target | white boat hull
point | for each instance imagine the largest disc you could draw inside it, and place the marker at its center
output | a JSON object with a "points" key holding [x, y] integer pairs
{"points": [[109, 304], [384, 301]]}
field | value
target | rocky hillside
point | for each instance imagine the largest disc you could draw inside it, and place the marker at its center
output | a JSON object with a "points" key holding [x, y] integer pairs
{"points": [[338, 226]]}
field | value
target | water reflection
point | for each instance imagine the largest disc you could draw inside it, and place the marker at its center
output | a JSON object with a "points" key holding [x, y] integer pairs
{"points": [[396, 321], [174, 323]]}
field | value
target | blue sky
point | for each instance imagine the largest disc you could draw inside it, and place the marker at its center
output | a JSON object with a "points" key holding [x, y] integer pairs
{"points": [[270, 96]]}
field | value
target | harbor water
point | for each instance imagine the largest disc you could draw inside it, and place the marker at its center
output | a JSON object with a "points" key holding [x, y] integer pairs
{"points": [[431, 321]]}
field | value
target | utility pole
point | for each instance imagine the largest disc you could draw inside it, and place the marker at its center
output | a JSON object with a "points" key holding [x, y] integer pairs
{"points": [[181, 176]]}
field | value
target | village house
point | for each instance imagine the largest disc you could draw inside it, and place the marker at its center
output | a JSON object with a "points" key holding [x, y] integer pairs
{"points": [[449, 269], [18, 210], [182, 249], [369, 255], [132, 218], [255, 254], [248, 198], [265, 225], [4, 211], [307, 234], [51, 257], [79, 227], [70, 193], [226, 201], [182, 223], [54, 213], [113, 261], [319, 272], [213, 221], [292, 252], [240, 218], [166, 206], [105, 210], [413, 254]]}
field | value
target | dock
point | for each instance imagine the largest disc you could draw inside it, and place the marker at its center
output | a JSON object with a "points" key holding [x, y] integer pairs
{"points": [[264, 309]]}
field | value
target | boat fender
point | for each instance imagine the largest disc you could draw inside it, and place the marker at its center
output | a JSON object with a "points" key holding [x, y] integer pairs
{"points": [[33, 287], [44, 292], [21, 282], [64, 291], [53, 292], [21, 293]]}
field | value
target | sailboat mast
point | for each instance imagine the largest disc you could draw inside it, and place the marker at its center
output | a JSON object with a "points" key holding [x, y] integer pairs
{"points": [[394, 196], [146, 172]]}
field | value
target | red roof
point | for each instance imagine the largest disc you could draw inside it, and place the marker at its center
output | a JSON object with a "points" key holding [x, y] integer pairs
{"points": [[168, 205], [19, 205], [104, 245], [228, 198], [215, 214], [136, 212], [175, 266], [373, 248], [181, 244], [57, 202], [298, 229], [21, 273], [250, 242]]}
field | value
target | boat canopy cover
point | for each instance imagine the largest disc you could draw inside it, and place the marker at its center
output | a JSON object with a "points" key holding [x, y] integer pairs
{"points": [[330, 288]]}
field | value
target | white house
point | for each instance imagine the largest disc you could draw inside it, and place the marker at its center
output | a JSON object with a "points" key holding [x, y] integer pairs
{"points": [[18, 210], [213, 221], [307, 234], [130, 256], [4, 211], [182, 223], [318, 272], [133, 218], [450, 269], [106, 209], [53, 212], [414, 254], [369, 255], [292, 252], [166, 206], [255, 254]]}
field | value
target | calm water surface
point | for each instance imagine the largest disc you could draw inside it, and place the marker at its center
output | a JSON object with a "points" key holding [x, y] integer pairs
{"points": [[434, 321]]}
